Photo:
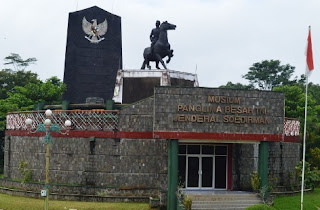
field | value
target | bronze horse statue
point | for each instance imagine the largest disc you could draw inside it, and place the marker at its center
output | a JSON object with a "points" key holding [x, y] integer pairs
{"points": [[161, 48]]}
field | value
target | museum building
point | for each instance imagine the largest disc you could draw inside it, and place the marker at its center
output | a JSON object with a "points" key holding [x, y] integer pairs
{"points": [[188, 137], [159, 131]]}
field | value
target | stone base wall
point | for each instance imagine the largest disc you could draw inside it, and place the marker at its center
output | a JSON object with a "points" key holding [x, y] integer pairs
{"points": [[128, 167], [78, 193], [244, 162], [283, 157], [133, 166]]}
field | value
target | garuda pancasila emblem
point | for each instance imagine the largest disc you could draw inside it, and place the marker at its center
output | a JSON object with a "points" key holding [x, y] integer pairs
{"points": [[93, 30]]}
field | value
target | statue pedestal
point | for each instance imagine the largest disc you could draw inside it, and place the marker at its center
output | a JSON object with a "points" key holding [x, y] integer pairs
{"points": [[134, 85]]}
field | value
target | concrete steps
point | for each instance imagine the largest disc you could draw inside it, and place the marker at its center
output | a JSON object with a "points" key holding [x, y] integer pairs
{"points": [[224, 201]]}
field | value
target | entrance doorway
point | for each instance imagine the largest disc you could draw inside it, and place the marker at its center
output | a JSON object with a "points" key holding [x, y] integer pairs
{"points": [[203, 166]]}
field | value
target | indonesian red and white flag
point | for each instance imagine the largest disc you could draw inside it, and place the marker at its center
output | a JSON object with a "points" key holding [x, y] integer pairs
{"points": [[309, 67]]}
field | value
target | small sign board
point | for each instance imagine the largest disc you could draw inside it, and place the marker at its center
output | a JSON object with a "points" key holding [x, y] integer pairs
{"points": [[94, 100], [43, 193]]}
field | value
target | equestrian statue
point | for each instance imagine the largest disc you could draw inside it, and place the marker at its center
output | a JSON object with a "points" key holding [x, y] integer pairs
{"points": [[160, 46]]}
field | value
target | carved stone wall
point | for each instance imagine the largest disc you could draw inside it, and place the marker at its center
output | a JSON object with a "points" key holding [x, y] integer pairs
{"points": [[127, 164], [244, 161], [215, 110], [137, 116], [283, 157], [139, 165]]}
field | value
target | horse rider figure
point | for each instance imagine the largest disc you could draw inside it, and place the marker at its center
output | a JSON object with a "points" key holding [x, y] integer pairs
{"points": [[154, 36], [160, 46]]}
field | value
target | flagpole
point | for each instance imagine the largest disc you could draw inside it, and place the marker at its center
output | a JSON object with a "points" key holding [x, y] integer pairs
{"points": [[304, 142], [309, 68]]}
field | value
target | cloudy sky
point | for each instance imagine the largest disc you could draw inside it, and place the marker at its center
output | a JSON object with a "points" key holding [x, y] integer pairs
{"points": [[217, 39]]}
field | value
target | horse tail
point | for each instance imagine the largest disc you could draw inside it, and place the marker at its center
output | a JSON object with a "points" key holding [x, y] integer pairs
{"points": [[143, 64]]}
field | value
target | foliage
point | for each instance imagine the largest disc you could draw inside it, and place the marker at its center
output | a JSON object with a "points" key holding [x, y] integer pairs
{"points": [[265, 194], [21, 89], [183, 199], [269, 73], [295, 107], [102, 193], [237, 86], [311, 176], [315, 156], [10, 79], [21, 203], [255, 181], [17, 62], [180, 196], [294, 100], [314, 90], [24, 171], [49, 91], [24, 98], [187, 202]]}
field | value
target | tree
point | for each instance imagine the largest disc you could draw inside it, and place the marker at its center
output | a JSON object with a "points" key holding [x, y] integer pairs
{"points": [[17, 62], [9, 79], [294, 100], [315, 156], [269, 74], [20, 90], [24, 98], [314, 91], [237, 86], [295, 108], [18, 77]]}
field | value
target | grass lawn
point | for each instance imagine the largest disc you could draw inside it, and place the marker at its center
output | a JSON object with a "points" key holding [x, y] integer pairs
{"points": [[14, 203], [311, 201]]}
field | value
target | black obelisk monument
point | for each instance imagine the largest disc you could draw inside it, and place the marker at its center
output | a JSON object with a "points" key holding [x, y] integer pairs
{"points": [[93, 55]]}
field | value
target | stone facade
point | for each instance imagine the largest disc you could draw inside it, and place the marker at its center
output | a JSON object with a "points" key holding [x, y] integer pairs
{"points": [[125, 164], [138, 165], [244, 162], [137, 116], [233, 110], [283, 157]]}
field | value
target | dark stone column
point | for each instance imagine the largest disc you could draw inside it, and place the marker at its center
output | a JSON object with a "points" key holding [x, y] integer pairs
{"points": [[92, 62]]}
